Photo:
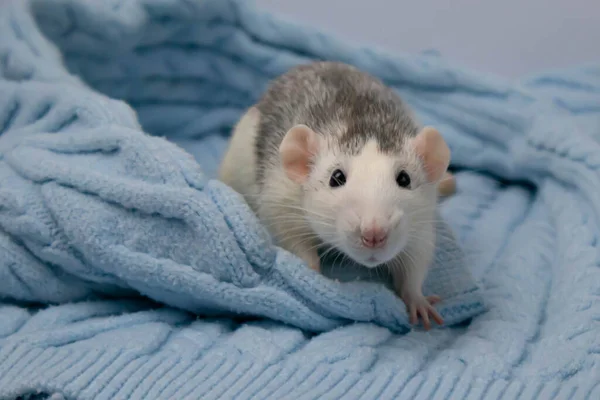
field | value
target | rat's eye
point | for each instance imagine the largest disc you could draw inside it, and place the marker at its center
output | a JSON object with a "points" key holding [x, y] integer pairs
{"points": [[403, 180], [337, 178]]}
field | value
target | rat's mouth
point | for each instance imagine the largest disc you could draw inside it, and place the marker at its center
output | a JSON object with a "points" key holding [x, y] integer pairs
{"points": [[368, 259], [372, 262]]}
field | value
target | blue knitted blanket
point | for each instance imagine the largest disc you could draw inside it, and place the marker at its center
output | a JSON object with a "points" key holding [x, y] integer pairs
{"points": [[127, 271]]}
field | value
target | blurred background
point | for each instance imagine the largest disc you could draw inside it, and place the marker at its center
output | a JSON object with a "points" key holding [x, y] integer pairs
{"points": [[512, 38]]}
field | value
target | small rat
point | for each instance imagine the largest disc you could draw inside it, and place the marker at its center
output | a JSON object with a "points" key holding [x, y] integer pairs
{"points": [[332, 157]]}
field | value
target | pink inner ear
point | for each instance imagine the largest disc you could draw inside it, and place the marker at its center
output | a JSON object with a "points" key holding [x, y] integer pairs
{"points": [[297, 149], [433, 150]]}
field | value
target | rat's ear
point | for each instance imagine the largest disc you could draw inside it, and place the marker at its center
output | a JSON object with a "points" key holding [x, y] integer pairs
{"points": [[297, 149], [433, 150]]}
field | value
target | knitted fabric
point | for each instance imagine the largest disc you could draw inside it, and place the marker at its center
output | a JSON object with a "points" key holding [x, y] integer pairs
{"points": [[91, 207]]}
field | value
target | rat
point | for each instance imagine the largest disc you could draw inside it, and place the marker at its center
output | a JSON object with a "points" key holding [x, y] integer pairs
{"points": [[330, 157]]}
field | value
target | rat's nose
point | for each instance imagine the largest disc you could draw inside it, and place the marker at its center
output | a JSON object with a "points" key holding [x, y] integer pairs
{"points": [[373, 237]]}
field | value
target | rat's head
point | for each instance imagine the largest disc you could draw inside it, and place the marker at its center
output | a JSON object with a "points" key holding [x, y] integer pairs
{"points": [[367, 203]]}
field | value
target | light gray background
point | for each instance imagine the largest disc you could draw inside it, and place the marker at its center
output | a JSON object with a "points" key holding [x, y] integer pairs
{"points": [[507, 37]]}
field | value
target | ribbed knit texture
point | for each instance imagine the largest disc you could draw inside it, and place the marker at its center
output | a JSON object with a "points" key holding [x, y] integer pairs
{"points": [[90, 205]]}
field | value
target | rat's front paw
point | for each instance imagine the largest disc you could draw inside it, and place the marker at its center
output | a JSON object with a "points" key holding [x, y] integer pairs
{"points": [[315, 266], [419, 306], [313, 260]]}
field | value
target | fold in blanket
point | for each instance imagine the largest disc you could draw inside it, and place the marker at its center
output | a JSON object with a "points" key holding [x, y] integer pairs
{"points": [[92, 207]]}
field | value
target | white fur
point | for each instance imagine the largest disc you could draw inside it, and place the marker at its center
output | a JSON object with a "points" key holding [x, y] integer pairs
{"points": [[238, 167], [302, 217], [278, 204], [369, 195]]}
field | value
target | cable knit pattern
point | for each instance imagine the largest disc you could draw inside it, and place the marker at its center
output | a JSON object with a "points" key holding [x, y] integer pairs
{"points": [[94, 212]]}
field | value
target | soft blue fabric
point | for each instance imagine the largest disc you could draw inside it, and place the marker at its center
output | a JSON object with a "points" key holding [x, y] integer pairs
{"points": [[91, 207], [90, 204]]}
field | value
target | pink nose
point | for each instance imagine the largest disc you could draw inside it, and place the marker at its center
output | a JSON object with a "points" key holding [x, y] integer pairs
{"points": [[373, 237]]}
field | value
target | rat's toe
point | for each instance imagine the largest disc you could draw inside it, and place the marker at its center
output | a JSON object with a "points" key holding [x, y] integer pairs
{"points": [[436, 316], [412, 311], [425, 316], [424, 310]]}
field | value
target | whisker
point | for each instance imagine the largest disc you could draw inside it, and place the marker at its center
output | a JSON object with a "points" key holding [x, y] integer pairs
{"points": [[294, 238], [304, 221], [284, 204]]}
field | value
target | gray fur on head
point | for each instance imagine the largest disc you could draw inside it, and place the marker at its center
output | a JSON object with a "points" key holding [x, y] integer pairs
{"points": [[335, 100]]}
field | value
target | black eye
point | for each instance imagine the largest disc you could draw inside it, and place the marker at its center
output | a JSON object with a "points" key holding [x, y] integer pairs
{"points": [[403, 180], [337, 179]]}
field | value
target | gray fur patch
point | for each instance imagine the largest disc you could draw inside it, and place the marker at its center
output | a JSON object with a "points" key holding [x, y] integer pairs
{"points": [[326, 96]]}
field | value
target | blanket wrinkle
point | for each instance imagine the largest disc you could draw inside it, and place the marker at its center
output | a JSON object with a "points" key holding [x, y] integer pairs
{"points": [[113, 118]]}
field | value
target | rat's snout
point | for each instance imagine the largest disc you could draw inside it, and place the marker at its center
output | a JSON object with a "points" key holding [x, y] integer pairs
{"points": [[373, 236], [396, 218]]}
